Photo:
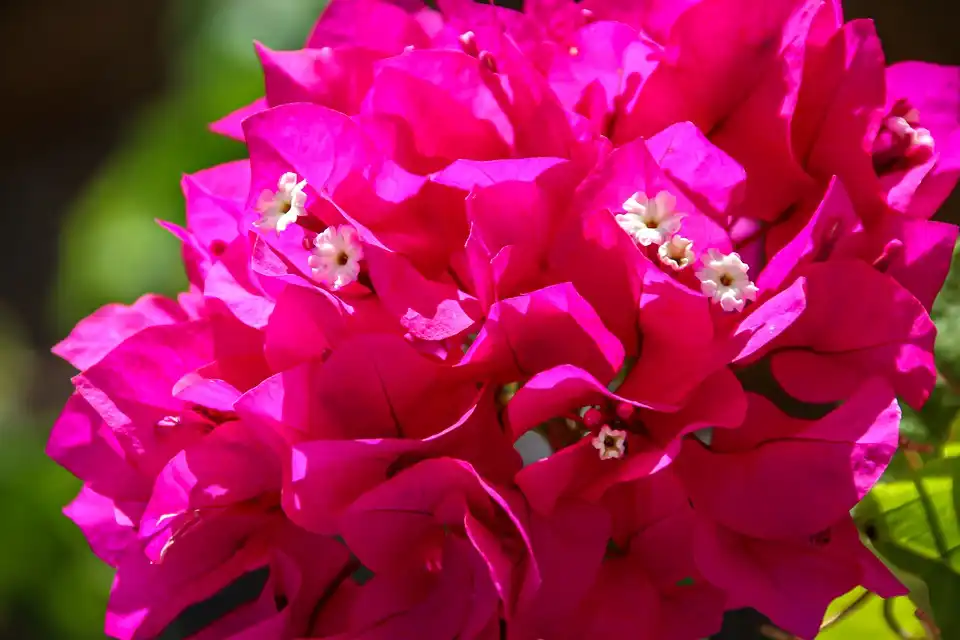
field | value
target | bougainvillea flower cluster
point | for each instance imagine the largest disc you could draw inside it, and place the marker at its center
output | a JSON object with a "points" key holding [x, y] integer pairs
{"points": [[583, 321]]}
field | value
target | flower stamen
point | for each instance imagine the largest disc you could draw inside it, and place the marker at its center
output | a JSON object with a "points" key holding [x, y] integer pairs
{"points": [[468, 42], [611, 443], [486, 59], [650, 221], [724, 278], [281, 208], [901, 140], [335, 257], [676, 253], [920, 143]]}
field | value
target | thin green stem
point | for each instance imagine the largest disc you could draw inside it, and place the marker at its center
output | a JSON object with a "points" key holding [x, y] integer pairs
{"points": [[891, 619], [915, 464], [931, 631], [861, 600]]}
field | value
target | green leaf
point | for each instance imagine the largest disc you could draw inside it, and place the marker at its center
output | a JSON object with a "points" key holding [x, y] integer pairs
{"points": [[934, 423], [867, 620], [946, 313], [913, 525]]}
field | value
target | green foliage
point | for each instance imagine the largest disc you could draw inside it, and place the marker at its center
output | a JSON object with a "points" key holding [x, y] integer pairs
{"points": [[913, 524], [912, 518], [112, 250], [51, 585], [867, 620], [937, 420], [49, 580], [946, 313]]}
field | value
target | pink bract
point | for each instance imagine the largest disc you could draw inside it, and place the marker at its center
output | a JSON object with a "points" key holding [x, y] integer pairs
{"points": [[590, 320]]}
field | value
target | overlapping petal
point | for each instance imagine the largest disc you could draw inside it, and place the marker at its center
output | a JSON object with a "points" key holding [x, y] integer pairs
{"points": [[588, 320]]}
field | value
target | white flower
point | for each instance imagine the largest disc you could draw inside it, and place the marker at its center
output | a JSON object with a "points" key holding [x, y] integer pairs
{"points": [[676, 253], [724, 278], [920, 139], [468, 41], [650, 221], [278, 210], [168, 422], [898, 125], [921, 143], [336, 255], [611, 443]]}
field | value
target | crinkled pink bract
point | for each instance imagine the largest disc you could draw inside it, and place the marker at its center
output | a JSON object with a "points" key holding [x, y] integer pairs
{"points": [[586, 321]]}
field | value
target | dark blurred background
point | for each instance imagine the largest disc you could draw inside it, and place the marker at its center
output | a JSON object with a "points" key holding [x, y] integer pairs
{"points": [[105, 106]]}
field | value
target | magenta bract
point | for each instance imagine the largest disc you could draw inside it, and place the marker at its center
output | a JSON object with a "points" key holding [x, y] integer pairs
{"points": [[585, 321]]}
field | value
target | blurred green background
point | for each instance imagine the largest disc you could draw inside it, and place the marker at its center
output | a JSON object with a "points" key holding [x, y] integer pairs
{"points": [[108, 248], [103, 121]]}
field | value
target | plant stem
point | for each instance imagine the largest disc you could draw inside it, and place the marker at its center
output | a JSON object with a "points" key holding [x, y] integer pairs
{"points": [[891, 619], [930, 629], [914, 465], [851, 608]]}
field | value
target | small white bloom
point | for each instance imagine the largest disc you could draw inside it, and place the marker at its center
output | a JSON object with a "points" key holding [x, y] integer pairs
{"points": [[724, 278], [650, 221], [336, 255], [611, 443], [898, 125], [921, 143], [921, 140], [279, 209], [168, 422], [468, 42], [676, 253]]}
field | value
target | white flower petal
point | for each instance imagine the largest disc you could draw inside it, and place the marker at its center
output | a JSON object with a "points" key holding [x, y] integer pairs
{"points": [[336, 255], [724, 279], [278, 210]]}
